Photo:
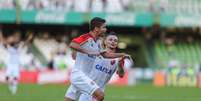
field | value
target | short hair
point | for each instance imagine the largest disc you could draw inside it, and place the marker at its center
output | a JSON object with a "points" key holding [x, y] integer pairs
{"points": [[111, 33], [108, 34], [96, 22]]}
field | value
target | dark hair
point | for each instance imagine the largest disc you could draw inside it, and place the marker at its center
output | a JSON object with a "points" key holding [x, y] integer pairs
{"points": [[111, 33], [96, 22]]}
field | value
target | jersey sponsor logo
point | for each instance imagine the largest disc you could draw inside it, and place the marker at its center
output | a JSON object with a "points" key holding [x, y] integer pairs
{"points": [[91, 43], [112, 62], [104, 69]]}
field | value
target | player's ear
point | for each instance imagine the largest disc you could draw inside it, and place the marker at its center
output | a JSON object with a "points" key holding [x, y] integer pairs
{"points": [[105, 42], [96, 29]]}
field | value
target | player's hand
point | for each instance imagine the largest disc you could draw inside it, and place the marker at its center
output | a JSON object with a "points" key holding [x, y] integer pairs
{"points": [[127, 56], [103, 51]]}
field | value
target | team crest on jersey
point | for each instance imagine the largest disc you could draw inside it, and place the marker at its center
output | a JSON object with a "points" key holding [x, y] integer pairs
{"points": [[91, 42], [112, 62]]}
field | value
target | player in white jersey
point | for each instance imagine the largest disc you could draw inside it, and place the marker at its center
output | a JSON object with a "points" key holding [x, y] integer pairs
{"points": [[13, 60], [87, 47], [104, 68], [12, 67]]}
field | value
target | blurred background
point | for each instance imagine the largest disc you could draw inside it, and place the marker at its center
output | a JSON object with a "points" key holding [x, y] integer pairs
{"points": [[163, 37]]}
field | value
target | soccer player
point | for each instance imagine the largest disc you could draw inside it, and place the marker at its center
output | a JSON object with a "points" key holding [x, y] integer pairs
{"points": [[104, 68], [13, 61], [87, 47]]}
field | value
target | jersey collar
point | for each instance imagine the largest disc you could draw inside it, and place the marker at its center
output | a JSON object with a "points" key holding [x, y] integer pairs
{"points": [[94, 38]]}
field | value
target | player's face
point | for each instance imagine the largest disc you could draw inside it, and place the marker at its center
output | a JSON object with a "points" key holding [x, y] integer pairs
{"points": [[101, 30], [111, 41], [16, 37]]}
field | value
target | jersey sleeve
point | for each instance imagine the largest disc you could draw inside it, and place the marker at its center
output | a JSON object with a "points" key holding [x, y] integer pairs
{"points": [[120, 69], [81, 39], [121, 62]]}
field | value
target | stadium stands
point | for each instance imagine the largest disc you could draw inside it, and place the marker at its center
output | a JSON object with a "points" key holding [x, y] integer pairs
{"points": [[46, 46], [184, 53], [39, 54], [25, 57], [53, 51], [66, 5], [7, 4], [170, 6]]}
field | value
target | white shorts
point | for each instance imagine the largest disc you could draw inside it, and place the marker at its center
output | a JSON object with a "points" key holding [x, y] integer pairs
{"points": [[83, 83], [12, 71], [72, 93], [86, 97]]}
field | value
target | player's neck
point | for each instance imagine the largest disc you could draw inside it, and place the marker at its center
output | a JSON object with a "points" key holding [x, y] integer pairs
{"points": [[93, 34], [111, 50]]}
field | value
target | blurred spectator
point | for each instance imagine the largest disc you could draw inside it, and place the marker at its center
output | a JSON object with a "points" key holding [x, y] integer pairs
{"points": [[189, 39], [52, 46], [163, 5], [114, 6], [26, 58], [69, 5], [7, 4], [81, 5], [153, 4], [97, 5], [169, 42], [191, 6], [126, 4], [66, 5], [1, 46]]}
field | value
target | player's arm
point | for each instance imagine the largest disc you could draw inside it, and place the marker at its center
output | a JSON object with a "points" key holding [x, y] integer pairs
{"points": [[113, 55], [76, 44], [77, 47], [28, 40], [120, 69], [3, 41], [1, 37], [74, 54]]}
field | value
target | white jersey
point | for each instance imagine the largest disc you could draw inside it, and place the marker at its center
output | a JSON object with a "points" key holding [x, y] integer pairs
{"points": [[13, 62], [83, 61], [83, 65], [102, 70], [13, 56]]}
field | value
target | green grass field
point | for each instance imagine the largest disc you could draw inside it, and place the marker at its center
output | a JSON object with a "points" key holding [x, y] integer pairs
{"points": [[113, 93]]}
